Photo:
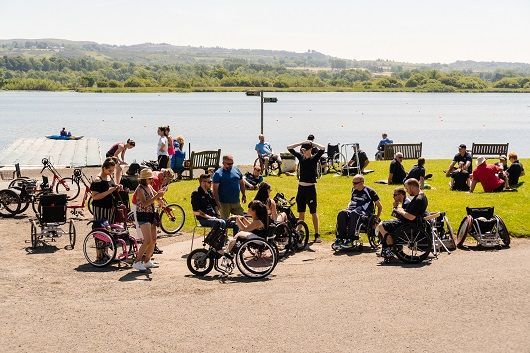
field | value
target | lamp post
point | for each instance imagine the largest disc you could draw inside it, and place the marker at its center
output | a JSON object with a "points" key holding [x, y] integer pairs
{"points": [[262, 101]]}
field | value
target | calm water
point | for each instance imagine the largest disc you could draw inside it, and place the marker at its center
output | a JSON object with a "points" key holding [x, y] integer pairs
{"points": [[230, 121]]}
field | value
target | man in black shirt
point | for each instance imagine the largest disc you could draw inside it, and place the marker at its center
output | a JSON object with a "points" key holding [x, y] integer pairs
{"points": [[416, 208], [307, 193], [460, 178], [353, 167], [418, 172], [397, 173], [462, 156], [361, 205], [515, 170]]}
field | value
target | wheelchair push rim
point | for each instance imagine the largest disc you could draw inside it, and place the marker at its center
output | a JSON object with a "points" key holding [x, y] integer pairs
{"points": [[413, 245], [256, 258], [99, 248]]}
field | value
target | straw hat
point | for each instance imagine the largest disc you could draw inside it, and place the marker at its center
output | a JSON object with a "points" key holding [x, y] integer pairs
{"points": [[146, 174], [481, 160]]}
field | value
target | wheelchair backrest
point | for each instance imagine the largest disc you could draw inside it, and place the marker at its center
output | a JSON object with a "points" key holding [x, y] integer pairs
{"points": [[332, 150], [52, 208], [476, 212]]}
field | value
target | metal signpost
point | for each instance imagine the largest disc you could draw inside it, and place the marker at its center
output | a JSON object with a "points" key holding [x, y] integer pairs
{"points": [[262, 100]]}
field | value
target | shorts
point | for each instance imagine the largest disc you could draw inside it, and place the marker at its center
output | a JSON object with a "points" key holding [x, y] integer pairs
{"points": [[227, 209], [163, 161], [392, 225], [108, 155], [146, 217], [306, 196]]}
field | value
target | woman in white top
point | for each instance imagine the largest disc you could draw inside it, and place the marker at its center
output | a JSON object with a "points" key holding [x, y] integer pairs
{"points": [[162, 150]]}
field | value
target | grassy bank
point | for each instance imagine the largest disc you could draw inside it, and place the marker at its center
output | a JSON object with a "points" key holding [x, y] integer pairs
{"points": [[334, 193]]}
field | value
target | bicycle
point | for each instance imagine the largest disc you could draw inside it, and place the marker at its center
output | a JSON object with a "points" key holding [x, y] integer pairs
{"points": [[292, 235], [171, 216], [80, 178], [273, 167]]}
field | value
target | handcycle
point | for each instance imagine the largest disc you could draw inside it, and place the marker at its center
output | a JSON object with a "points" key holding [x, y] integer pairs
{"points": [[255, 258], [50, 218], [292, 235], [171, 216], [81, 179], [27, 193], [273, 167]]}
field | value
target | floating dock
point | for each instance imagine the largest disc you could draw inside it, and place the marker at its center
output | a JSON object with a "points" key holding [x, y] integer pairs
{"points": [[29, 152]]}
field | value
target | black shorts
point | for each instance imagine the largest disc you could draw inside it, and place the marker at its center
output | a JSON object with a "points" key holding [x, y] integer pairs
{"points": [[306, 196], [392, 225], [499, 188], [108, 155], [162, 161]]}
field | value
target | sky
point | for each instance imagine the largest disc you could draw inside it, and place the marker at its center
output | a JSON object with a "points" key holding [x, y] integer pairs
{"points": [[419, 31]]}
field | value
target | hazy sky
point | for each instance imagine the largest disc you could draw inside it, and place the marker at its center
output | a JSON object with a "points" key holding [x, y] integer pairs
{"points": [[405, 30]]}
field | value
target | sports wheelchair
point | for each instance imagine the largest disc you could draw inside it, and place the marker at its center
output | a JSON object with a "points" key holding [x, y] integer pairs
{"points": [[50, 217], [487, 228], [273, 167], [413, 241], [366, 224]]}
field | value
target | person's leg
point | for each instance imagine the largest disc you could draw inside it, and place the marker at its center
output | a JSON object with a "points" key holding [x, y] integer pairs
{"points": [[314, 217], [233, 241], [224, 210], [312, 204], [266, 161], [342, 224], [151, 247], [119, 172], [237, 209], [352, 225], [145, 229]]}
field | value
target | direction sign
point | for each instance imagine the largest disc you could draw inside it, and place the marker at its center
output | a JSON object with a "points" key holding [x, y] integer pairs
{"points": [[270, 100], [253, 93]]}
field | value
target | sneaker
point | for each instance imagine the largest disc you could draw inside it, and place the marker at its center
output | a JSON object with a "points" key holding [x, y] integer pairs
{"points": [[139, 266], [150, 264], [337, 244], [317, 238], [347, 244]]}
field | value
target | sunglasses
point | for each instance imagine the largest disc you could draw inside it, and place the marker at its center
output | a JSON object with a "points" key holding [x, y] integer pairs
{"points": [[207, 181], [357, 182], [231, 163]]}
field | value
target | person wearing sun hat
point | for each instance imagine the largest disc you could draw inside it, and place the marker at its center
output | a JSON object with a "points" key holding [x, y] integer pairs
{"points": [[487, 175], [144, 198]]}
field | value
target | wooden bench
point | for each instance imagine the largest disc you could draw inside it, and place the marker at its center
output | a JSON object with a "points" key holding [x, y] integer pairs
{"points": [[409, 150], [202, 160], [489, 149]]}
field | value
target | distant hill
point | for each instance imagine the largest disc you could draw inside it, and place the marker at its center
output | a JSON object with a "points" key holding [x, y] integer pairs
{"points": [[167, 54]]}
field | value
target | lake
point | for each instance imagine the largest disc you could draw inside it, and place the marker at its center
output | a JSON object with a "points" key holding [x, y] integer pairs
{"points": [[230, 121]]}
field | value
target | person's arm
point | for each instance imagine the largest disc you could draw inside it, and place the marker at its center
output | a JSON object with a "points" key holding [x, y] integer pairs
{"points": [[101, 195], [215, 190], [450, 169], [467, 165], [243, 190], [422, 182], [142, 201], [293, 146], [320, 147], [247, 184], [274, 210], [379, 207], [405, 214], [473, 184], [390, 176]]}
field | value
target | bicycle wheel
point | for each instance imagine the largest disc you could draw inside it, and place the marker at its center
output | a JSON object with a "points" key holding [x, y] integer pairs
{"points": [[301, 236], [172, 218], [256, 258], [337, 162], [24, 203], [69, 187], [71, 234], [34, 238], [99, 248], [415, 243], [9, 203], [199, 262], [89, 205]]}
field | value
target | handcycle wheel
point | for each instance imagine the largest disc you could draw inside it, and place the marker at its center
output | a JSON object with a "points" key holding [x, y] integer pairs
{"points": [[199, 262], [462, 231], [68, 186], [9, 203], [24, 204], [15, 182], [172, 218], [99, 248], [256, 258], [415, 244], [283, 238], [503, 233], [34, 238], [71, 234], [302, 236]]}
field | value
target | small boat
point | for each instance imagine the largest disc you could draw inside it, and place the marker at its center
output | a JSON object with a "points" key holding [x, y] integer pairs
{"points": [[59, 137]]}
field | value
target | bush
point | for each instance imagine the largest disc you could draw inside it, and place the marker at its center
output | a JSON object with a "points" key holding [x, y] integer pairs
{"points": [[114, 84], [134, 82], [433, 85], [32, 84]]}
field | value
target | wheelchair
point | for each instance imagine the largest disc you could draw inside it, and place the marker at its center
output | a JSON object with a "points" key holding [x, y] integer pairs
{"points": [[332, 160], [50, 217], [413, 241], [366, 225], [273, 167], [442, 233], [485, 227], [292, 235]]}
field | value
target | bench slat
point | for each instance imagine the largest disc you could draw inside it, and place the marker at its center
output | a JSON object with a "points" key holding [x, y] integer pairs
{"points": [[409, 150], [489, 149]]}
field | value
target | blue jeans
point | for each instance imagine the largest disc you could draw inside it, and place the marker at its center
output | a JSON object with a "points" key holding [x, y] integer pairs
{"points": [[218, 224]]}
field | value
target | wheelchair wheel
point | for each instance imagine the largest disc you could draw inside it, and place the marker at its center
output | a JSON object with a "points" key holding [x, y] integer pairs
{"points": [[374, 238], [24, 204], [283, 238], [9, 203], [256, 258], [413, 244], [34, 238], [71, 233], [200, 262], [302, 235], [69, 187], [503, 233], [337, 162], [172, 218], [462, 231], [99, 248]]}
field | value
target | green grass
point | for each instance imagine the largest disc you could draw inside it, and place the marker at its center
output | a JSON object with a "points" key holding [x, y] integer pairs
{"points": [[334, 193]]}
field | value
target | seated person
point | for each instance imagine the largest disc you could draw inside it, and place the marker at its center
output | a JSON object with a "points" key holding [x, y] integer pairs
{"points": [[488, 176], [254, 179], [397, 172], [515, 170], [361, 204], [418, 172], [406, 214], [264, 195], [502, 162], [352, 167], [400, 199], [381, 146], [69, 134], [266, 155], [256, 228], [205, 208], [460, 180], [63, 132], [462, 156]]}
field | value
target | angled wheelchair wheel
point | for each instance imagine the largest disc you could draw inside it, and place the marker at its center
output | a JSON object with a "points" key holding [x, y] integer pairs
{"points": [[99, 248], [283, 238], [172, 218], [9, 203], [503, 233], [374, 238], [71, 233], [256, 258], [34, 237], [16, 182], [199, 262], [413, 244], [302, 235], [463, 229]]}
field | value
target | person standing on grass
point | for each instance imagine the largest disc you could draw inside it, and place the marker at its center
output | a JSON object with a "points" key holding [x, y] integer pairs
{"points": [[170, 149], [144, 198], [162, 149], [227, 184], [307, 192], [118, 151]]}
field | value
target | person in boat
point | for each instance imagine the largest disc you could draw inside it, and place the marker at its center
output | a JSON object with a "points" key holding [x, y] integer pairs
{"points": [[118, 150], [63, 132]]}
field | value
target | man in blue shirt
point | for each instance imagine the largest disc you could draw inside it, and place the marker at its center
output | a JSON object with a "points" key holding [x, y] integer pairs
{"points": [[266, 155], [227, 184], [381, 147]]}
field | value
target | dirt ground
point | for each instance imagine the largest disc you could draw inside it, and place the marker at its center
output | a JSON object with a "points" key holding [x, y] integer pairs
{"points": [[470, 301]]}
